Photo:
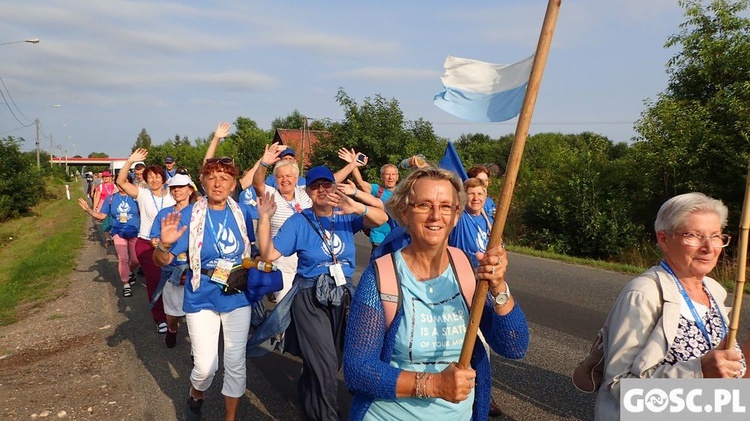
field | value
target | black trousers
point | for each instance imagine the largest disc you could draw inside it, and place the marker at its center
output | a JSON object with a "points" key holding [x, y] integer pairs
{"points": [[320, 335]]}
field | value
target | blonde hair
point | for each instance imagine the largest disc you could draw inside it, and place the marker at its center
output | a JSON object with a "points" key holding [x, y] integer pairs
{"points": [[282, 164], [399, 200]]}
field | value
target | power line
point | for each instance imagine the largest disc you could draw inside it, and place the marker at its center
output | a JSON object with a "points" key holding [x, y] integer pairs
{"points": [[13, 101]]}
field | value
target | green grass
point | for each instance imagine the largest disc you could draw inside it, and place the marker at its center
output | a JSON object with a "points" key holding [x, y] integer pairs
{"points": [[601, 264], [39, 251]]}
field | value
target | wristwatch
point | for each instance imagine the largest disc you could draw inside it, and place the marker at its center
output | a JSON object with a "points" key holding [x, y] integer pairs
{"points": [[502, 298]]}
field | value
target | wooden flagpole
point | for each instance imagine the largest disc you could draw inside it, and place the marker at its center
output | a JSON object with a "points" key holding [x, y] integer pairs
{"points": [[511, 172], [739, 285]]}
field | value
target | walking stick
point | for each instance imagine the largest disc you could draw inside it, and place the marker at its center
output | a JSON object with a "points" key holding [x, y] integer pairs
{"points": [[739, 285], [511, 172]]}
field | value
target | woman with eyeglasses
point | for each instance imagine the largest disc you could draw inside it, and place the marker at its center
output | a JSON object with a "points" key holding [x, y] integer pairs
{"points": [[317, 305], [401, 363], [150, 202], [290, 199], [215, 233], [670, 321]]}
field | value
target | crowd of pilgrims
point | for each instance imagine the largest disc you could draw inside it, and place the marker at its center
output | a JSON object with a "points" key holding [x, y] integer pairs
{"points": [[201, 241]]}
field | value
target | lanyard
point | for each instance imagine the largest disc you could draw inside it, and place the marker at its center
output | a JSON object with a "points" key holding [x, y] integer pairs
{"points": [[327, 241], [153, 197], [222, 228], [689, 302]]}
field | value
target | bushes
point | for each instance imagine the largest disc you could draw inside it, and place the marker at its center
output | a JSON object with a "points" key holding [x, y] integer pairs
{"points": [[21, 185]]}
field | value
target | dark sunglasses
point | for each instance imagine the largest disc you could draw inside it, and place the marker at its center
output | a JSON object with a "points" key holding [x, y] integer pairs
{"points": [[325, 184], [224, 160], [183, 171]]}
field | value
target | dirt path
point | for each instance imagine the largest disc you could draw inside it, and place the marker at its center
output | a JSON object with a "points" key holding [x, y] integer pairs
{"points": [[68, 359]]}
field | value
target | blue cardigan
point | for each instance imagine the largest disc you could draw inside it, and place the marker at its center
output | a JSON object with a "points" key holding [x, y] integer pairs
{"points": [[368, 349]]}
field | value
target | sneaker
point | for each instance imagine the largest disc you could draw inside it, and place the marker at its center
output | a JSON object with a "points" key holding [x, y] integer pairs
{"points": [[126, 290], [131, 278], [162, 328], [170, 339], [193, 409]]}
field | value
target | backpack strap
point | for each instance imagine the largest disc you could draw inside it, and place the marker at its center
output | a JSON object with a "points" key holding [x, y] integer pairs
{"points": [[464, 272], [389, 287]]}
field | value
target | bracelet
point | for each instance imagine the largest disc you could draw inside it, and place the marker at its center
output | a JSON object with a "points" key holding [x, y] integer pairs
{"points": [[420, 385], [365, 212], [355, 192], [163, 249], [264, 165]]}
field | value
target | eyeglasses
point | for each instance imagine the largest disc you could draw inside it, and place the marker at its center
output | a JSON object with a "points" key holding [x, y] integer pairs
{"points": [[224, 160], [426, 207], [696, 240], [325, 184]]}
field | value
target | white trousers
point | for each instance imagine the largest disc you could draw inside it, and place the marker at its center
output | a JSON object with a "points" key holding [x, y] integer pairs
{"points": [[203, 328]]}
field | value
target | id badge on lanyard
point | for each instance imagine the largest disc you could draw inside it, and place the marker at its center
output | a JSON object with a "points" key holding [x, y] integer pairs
{"points": [[337, 273], [123, 217], [221, 271]]}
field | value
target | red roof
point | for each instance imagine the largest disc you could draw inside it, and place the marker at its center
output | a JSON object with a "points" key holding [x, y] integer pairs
{"points": [[302, 141]]}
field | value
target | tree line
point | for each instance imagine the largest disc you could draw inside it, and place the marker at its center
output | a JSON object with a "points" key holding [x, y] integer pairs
{"points": [[578, 194]]}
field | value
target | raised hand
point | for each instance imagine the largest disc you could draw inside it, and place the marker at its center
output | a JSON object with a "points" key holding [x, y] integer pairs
{"points": [[271, 153], [347, 187], [222, 130], [347, 155], [266, 205], [346, 204], [139, 154], [170, 229], [83, 204]]}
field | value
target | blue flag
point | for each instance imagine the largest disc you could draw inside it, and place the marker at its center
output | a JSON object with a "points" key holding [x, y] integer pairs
{"points": [[451, 161], [483, 92]]}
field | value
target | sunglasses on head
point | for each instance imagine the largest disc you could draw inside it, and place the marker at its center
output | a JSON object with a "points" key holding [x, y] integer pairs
{"points": [[224, 160], [183, 171]]}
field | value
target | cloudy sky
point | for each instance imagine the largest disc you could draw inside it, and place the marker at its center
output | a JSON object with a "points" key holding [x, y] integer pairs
{"points": [[179, 67]]}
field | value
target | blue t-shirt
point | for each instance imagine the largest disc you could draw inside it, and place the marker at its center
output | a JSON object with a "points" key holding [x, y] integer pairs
{"points": [[378, 234], [221, 239], [249, 198], [123, 211], [297, 235], [471, 233], [490, 208], [429, 337]]}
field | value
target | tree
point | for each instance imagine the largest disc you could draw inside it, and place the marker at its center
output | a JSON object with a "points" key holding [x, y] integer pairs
{"points": [[21, 185], [295, 120], [378, 129], [694, 136], [98, 155], [143, 141]]}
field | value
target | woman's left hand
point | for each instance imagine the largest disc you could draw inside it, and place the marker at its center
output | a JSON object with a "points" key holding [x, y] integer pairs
{"points": [[492, 267]]}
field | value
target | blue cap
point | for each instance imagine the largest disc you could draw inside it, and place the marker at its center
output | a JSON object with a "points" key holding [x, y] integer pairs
{"points": [[318, 173], [287, 151], [169, 160]]}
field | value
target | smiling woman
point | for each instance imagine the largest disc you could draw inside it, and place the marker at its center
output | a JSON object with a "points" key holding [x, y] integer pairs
{"points": [[670, 322]]}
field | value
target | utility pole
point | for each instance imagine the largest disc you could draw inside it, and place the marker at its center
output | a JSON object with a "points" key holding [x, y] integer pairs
{"points": [[302, 141], [38, 165], [50, 150]]}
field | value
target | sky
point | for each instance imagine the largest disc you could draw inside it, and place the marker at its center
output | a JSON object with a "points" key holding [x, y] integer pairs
{"points": [[104, 70]]}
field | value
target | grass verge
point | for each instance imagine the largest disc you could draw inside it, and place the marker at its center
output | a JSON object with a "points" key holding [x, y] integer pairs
{"points": [[39, 251], [601, 264]]}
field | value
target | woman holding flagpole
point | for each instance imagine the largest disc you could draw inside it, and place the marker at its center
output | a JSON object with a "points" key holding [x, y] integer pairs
{"points": [[405, 368]]}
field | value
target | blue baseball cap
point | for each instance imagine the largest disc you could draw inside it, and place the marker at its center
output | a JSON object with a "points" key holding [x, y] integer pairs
{"points": [[319, 173], [287, 151], [169, 160]]}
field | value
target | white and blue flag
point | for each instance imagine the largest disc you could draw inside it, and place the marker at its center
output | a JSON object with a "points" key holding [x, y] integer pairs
{"points": [[483, 92]]}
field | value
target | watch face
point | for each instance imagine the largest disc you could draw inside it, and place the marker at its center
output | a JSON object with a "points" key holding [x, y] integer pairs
{"points": [[501, 299]]}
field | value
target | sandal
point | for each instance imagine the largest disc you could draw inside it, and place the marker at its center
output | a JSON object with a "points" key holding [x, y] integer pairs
{"points": [[126, 290], [162, 328]]}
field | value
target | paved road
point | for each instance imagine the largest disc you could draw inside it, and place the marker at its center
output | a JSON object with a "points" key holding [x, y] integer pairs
{"points": [[565, 305]]}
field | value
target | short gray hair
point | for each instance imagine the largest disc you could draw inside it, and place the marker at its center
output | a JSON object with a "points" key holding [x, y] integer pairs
{"points": [[676, 210], [282, 164], [401, 194]]}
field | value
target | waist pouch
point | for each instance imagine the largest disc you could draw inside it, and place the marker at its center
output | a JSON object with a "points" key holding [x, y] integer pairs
{"points": [[236, 283]]}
